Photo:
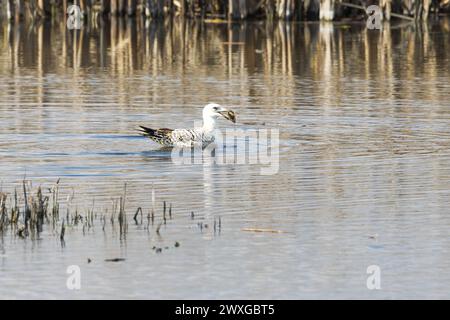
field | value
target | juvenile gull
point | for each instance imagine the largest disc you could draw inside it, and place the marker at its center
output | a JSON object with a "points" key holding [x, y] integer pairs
{"points": [[190, 137]]}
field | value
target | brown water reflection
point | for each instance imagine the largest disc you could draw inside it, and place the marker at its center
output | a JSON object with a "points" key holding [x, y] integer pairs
{"points": [[364, 120]]}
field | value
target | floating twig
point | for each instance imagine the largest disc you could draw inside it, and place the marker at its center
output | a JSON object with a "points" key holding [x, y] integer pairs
{"points": [[262, 230], [115, 260]]}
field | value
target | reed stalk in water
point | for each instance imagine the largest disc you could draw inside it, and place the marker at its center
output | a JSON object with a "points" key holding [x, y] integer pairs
{"points": [[122, 216]]}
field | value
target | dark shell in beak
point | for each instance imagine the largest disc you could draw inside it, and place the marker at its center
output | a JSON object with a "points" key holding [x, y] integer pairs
{"points": [[229, 115]]}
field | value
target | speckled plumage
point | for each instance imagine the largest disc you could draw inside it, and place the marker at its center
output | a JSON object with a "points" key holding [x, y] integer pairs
{"points": [[178, 137], [190, 137]]}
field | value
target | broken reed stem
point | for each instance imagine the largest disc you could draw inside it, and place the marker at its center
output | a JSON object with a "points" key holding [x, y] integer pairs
{"points": [[38, 211], [62, 234], [55, 208], [15, 211], [122, 215], [139, 210], [158, 228], [3, 212], [27, 212], [164, 213], [63, 231]]}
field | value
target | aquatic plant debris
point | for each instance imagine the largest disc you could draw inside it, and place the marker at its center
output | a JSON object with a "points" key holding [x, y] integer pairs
{"points": [[115, 260], [262, 230]]}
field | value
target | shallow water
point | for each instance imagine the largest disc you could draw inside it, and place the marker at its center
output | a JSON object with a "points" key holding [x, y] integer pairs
{"points": [[364, 162]]}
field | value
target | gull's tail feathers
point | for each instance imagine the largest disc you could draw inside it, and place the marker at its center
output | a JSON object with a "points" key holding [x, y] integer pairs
{"points": [[161, 136], [147, 132]]}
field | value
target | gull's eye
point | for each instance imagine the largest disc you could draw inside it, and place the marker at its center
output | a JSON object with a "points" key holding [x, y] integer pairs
{"points": [[215, 108]]}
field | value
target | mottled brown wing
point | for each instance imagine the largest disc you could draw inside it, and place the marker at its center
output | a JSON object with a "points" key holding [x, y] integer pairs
{"points": [[162, 136]]}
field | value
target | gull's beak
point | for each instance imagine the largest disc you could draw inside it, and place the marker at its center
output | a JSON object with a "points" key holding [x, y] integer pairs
{"points": [[228, 114]]}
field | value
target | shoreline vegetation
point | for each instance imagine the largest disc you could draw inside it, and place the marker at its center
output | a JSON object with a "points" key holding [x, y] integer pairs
{"points": [[24, 214], [228, 10], [27, 211]]}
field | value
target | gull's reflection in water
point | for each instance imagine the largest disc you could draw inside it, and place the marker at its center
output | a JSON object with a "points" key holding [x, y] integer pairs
{"points": [[209, 167], [164, 153], [217, 159]]}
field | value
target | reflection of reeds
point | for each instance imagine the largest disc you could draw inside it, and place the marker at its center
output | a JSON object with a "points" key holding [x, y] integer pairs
{"points": [[177, 47], [208, 9]]}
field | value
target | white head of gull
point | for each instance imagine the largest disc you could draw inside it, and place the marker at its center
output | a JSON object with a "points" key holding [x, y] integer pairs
{"points": [[213, 111]]}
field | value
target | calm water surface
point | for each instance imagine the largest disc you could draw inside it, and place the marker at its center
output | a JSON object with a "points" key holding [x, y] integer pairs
{"points": [[364, 158]]}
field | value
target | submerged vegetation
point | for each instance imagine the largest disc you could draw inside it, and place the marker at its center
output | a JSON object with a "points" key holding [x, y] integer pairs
{"points": [[225, 9]]}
